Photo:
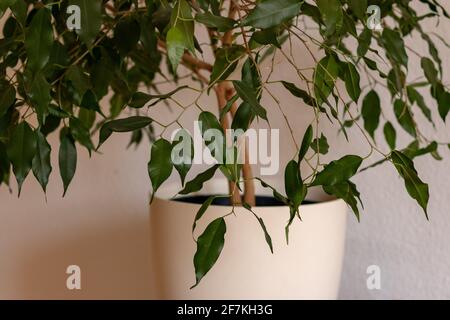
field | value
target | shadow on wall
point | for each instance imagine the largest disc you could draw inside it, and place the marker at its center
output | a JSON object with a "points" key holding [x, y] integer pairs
{"points": [[111, 266]]}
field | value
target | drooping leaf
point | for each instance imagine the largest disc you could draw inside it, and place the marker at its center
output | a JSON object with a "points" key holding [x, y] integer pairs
{"points": [[299, 93], [226, 62], [364, 40], [332, 15], [205, 205], [442, 97], [90, 20], [293, 184], [209, 247], [320, 145], [371, 111], [90, 102], [395, 47], [416, 188], [39, 40], [160, 165], [180, 36], [359, 8], [140, 99], [404, 117], [390, 135], [67, 158], [263, 226], [81, 133], [40, 96], [41, 162], [429, 70], [122, 125], [270, 13], [266, 37], [127, 34], [352, 79], [345, 190], [306, 142], [325, 76], [277, 195], [243, 117], [220, 23], [21, 150], [338, 171], [7, 98], [248, 95], [416, 97], [196, 184], [184, 151]]}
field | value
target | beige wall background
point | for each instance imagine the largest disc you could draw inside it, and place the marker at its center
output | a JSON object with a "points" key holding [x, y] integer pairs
{"points": [[102, 223]]}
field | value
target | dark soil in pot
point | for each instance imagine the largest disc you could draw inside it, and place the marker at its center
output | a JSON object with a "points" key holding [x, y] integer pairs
{"points": [[261, 201]]}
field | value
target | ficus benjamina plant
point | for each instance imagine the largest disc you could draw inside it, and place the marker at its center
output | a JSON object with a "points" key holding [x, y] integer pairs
{"points": [[60, 59]]}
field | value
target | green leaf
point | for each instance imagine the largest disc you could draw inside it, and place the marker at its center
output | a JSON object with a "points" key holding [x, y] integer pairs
{"points": [[40, 96], [248, 95], [325, 76], [196, 184], [220, 23], [338, 171], [91, 19], [359, 8], [299, 93], [371, 111], [364, 41], [4, 165], [243, 117], [332, 15], [345, 190], [390, 135], [205, 205], [41, 162], [67, 158], [39, 40], [320, 145], [127, 34], [293, 184], [263, 226], [21, 150], [416, 97], [443, 99], [7, 98], [351, 78], [180, 36], [160, 164], [185, 163], [275, 193], [404, 117], [394, 46], [416, 188], [429, 70], [226, 62], [306, 142], [122, 125], [81, 134], [266, 37], [270, 13], [90, 102], [140, 99], [209, 247]]}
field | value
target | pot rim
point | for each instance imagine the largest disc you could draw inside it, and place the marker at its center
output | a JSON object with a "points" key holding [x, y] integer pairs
{"points": [[169, 192]]}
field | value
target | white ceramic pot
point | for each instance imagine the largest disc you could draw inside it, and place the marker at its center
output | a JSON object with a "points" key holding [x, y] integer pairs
{"points": [[308, 268]]}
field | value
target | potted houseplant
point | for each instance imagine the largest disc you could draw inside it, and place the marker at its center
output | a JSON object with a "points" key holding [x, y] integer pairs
{"points": [[60, 59]]}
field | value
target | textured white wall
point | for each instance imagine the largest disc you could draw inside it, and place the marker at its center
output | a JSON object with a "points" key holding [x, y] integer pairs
{"points": [[101, 225]]}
